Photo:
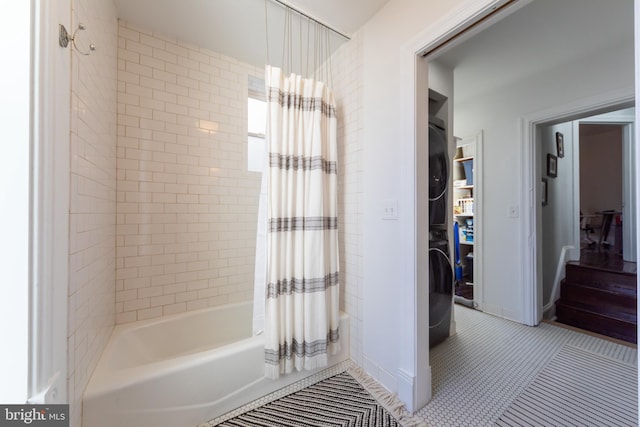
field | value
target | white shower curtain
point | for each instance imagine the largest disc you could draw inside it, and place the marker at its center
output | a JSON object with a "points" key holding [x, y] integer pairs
{"points": [[301, 289]]}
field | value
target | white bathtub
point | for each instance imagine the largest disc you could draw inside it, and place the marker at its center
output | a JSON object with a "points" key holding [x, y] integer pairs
{"points": [[183, 370]]}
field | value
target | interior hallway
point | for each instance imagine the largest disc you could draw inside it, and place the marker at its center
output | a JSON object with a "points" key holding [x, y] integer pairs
{"points": [[479, 372]]}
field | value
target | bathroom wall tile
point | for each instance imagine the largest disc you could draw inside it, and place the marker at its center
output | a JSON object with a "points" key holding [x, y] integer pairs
{"points": [[152, 41], [137, 47], [127, 317], [163, 300], [347, 66], [152, 62], [127, 56], [93, 190], [136, 69], [168, 310], [135, 283], [197, 304], [150, 292], [150, 313], [136, 304], [127, 34], [166, 279], [127, 295], [174, 288], [167, 57]]}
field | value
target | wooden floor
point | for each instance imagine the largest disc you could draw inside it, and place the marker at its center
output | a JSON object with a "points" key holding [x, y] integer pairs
{"points": [[593, 334], [605, 259]]}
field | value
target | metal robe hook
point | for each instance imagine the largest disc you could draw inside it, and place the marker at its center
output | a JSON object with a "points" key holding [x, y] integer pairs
{"points": [[63, 39]]}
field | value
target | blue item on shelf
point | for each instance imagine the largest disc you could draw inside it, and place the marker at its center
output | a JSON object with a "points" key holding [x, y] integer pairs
{"points": [[468, 170]]}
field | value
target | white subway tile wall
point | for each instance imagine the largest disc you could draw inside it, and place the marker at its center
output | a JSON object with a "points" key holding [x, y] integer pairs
{"points": [[186, 204], [92, 210], [347, 78]]}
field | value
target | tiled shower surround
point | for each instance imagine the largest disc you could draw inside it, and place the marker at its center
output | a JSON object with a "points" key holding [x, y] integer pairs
{"points": [[163, 211], [187, 206], [92, 209]]}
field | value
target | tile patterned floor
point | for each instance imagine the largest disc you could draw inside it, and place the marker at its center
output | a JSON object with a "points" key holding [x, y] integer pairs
{"points": [[478, 373], [481, 370], [578, 388]]}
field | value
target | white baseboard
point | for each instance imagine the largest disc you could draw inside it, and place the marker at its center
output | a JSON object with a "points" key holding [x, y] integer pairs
{"points": [[382, 376], [404, 384], [406, 389]]}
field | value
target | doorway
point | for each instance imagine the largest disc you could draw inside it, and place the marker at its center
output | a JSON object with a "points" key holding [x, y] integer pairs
{"points": [[496, 87], [617, 127], [582, 177], [517, 107]]}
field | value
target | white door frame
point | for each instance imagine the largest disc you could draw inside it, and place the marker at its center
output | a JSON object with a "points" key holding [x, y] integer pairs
{"points": [[627, 121], [630, 203], [636, 54], [532, 296], [414, 373]]}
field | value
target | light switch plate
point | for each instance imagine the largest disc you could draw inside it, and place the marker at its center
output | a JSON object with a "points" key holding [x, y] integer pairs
{"points": [[390, 209]]}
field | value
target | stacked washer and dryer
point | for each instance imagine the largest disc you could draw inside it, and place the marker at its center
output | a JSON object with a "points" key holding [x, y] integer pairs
{"points": [[440, 266]]}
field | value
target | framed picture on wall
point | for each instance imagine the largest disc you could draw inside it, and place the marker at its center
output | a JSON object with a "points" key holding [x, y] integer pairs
{"points": [[543, 191], [552, 165], [560, 144]]}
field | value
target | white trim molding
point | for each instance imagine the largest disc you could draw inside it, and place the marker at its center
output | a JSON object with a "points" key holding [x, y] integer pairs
{"points": [[49, 251], [636, 26]]}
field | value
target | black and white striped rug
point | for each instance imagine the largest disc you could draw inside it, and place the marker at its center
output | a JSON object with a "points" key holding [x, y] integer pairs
{"points": [[578, 388], [336, 401]]}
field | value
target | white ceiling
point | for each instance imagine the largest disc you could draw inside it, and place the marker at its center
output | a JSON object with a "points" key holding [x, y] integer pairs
{"points": [[532, 39], [237, 27], [536, 38]]}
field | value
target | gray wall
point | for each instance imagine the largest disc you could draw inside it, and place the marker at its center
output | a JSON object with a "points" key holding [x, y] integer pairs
{"points": [[557, 224]]}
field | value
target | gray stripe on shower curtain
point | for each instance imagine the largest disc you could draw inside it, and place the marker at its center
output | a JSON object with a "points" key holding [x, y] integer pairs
{"points": [[301, 102], [297, 162], [289, 286], [302, 223]]}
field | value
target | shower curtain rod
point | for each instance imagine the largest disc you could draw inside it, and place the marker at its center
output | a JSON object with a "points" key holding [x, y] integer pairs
{"points": [[311, 18]]}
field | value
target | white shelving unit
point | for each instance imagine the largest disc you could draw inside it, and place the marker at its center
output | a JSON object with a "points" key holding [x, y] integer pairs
{"points": [[469, 194]]}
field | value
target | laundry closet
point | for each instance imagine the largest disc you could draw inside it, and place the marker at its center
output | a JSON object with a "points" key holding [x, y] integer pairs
{"points": [[453, 210], [441, 150]]}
